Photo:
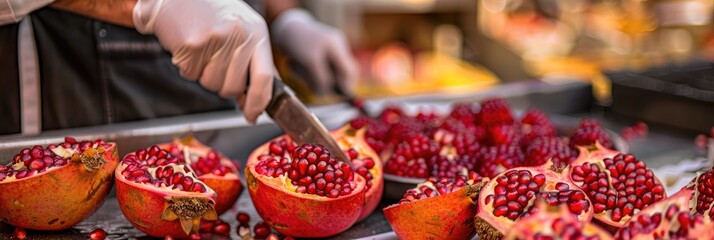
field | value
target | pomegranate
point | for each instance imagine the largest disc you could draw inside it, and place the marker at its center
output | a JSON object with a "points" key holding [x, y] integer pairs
{"points": [[619, 185], [56, 187], [702, 194], [436, 209], [554, 222], [212, 168], [668, 219], [504, 134], [365, 162], [511, 195], [161, 195], [301, 191]]}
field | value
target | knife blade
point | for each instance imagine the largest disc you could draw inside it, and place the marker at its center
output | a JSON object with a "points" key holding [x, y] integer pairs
{"points": [[298, 122]]}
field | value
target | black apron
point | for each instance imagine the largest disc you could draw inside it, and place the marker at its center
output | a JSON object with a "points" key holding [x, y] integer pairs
{"points": [[95, 73]]}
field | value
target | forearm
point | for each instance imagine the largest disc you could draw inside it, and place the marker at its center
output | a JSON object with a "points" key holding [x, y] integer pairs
{"points": [[113, 11], [273, 8]]}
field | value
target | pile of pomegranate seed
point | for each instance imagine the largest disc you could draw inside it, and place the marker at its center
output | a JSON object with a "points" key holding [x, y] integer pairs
{"points": [[588, 132], [544, 148], [311, 169], [494, 112], [490, 134], [168, 170]]}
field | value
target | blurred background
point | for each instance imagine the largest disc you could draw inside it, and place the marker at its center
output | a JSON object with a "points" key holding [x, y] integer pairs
{"points": [[646, 53]]}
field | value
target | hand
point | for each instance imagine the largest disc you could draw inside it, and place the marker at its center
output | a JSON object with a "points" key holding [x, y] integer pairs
{"points": [[316, 47], [214, 42]]}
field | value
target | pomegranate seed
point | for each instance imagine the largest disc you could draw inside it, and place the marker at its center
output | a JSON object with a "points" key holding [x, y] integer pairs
{"points": [[243, 218], [194, 236], [261, 230], [19, 233], [222, 229], [98, 234]]}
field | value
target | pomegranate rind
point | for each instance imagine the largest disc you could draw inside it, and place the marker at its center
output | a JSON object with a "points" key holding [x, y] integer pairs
{"points": [[448, 216], [228, 187], [541, 223], [143, 205], [681, 200], [347, 137], [60, 197], [488, 226], [297, 214], [597, 153]]}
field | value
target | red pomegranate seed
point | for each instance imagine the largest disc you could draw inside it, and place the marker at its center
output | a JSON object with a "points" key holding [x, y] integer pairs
{"points": [[222, 229], [243, 218], [261, 230], [194, 236], [19, 233], [98, 234]]}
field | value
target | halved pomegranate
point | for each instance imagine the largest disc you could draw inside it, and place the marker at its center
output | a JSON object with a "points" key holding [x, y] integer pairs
{"points": [[365, 162], [302, 191], [160, 194], [668, 219], [702, 197], [554, 222], [212, 168], [436, 209], [619, 185], [56, 187], [511, 195]]}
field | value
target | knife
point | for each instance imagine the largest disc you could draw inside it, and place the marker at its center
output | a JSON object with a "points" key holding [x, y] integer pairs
{"points": [[298, 122]]}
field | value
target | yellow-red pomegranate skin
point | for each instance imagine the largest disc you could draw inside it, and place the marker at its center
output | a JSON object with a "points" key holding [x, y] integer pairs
{"points": [[448, 216], [60, 197]]}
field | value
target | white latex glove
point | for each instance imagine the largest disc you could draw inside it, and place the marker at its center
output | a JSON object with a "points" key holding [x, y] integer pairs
{"points": [[214, 42], [12, 11], [316, 46]]}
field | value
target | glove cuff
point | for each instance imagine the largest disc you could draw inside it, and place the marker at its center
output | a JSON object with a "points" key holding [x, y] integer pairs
{"points": [[144, 15]]}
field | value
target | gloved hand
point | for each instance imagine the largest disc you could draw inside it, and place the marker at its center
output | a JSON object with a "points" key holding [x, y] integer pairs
{"points": [[316, 46], [214, 42], [12, 11]]}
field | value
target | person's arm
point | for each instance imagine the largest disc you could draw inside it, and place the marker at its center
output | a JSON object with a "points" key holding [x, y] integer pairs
{"points": [[213, 42], [113, 11]]}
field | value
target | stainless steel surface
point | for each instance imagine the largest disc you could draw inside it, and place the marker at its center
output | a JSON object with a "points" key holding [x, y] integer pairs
{"points": [[300, 124]]}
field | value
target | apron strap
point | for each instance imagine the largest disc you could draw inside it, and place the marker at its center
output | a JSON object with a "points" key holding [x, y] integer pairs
{"points": [[29, 74]]}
